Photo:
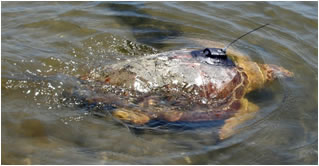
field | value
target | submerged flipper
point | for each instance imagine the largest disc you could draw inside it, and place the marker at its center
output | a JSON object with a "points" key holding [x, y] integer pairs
{"points": [[246, 112]]}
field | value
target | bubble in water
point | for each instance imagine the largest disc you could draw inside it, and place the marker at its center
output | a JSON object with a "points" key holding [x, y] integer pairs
{"points": [[50, 86], [204, 100]]}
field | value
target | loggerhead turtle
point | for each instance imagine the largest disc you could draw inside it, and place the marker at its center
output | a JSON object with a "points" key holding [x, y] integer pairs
{"points": [[180, 86]]}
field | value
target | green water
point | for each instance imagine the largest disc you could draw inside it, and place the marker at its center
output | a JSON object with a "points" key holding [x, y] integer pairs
{"points": [[45, 40]]}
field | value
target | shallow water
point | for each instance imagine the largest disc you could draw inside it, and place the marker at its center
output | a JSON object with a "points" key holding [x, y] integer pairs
{"points": [[46, 44]]}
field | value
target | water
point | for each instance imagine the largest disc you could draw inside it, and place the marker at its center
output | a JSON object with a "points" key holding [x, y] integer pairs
{"points": [[52, 42]]}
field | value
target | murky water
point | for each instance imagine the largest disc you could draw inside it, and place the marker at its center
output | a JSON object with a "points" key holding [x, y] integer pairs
{"points": [[46, 44]]}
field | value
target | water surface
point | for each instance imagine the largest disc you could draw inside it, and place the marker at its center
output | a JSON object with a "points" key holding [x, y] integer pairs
{"points": [[46, 44]]}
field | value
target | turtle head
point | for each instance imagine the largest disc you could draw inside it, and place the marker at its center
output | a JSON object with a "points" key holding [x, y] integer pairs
{"points": [[272, 72], [259, 74]]}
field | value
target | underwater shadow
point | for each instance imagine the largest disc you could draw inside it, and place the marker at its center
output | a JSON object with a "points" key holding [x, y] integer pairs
{"points": [[147, 29]]}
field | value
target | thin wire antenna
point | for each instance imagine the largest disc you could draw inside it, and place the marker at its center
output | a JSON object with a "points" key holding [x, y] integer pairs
{"points": [[224, 49]]}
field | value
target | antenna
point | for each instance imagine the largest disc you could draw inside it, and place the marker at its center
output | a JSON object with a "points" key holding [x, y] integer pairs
{"points": [[224, 49]]}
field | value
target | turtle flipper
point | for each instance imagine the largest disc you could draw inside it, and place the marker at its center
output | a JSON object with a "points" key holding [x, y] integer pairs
{"points": [[246, 112], [131, 115]]}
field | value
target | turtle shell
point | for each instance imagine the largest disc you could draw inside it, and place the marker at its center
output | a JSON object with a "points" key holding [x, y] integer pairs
{"points": [[185, 85]]}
